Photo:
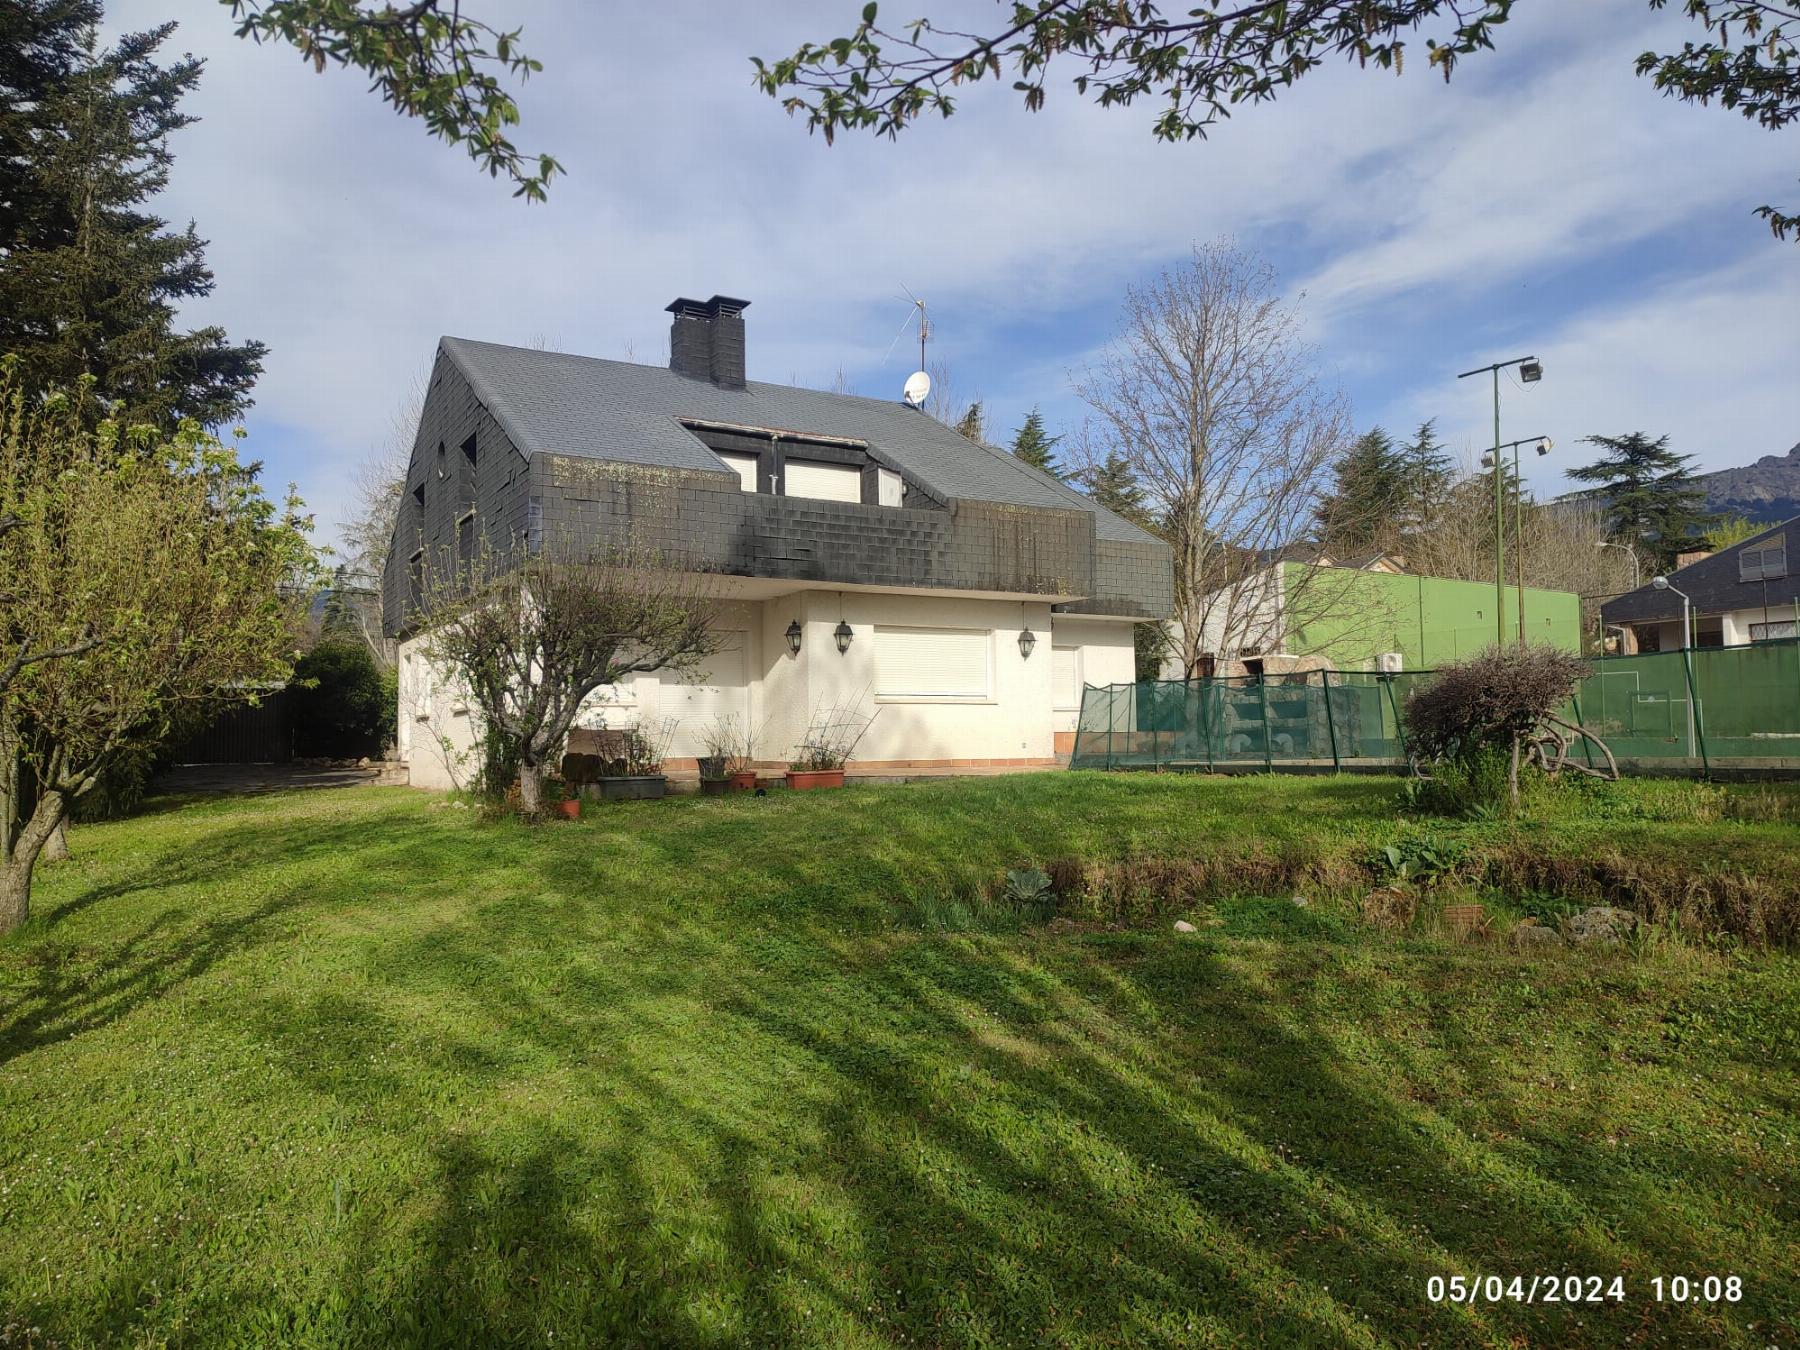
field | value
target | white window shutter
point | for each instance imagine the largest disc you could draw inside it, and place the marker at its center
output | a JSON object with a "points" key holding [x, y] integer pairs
{"points": [[827, 482], [933, 662], [1065, 677], [746, 469]]}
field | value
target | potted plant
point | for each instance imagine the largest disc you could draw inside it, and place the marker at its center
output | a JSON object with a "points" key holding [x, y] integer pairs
{"points": [[725, 767], [630, 762], [831, 736], [560, 799]]}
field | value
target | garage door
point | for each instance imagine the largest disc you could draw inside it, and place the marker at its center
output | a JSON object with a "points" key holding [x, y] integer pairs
{"points": [[717, 689]]}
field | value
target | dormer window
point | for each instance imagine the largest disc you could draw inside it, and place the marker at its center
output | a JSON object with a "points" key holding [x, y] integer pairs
{"points": [[1767, 563]]}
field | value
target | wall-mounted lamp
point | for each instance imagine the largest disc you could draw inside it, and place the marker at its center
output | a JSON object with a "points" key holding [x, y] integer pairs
{"points": [[793, 638], [1027, 641], [843, 635]]}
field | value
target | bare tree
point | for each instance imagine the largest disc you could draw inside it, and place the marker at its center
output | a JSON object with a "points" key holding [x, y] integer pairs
{"points": [[1209, 396], [530, 640], [368, 533]]}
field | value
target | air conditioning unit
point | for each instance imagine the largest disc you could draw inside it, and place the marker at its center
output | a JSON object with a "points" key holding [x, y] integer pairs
{"points": [[1390, 663]]}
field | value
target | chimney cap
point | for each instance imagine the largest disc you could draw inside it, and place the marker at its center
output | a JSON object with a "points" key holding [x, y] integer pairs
{"points": [[708, 309]]}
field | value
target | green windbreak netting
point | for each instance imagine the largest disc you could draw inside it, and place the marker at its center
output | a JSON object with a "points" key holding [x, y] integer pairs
{"points": [[1723, 705]]}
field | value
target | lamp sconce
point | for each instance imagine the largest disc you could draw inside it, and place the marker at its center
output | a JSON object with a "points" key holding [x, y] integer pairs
{"points": [[793, 638], [1027, 641], [843, 635]]}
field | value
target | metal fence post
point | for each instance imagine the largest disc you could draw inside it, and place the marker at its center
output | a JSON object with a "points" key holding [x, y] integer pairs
{"points": [[1262, 694], [1695, 720], [1111, 715], [1330, 722]]}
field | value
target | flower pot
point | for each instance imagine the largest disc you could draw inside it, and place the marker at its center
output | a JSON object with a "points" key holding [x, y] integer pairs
{"points": [[642, 787], [806, 780], [714, 787], [743, 781], [569, 809]]}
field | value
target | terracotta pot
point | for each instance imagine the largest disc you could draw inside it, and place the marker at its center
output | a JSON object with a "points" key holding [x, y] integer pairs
{"points": [[743, 781], [714, 787], [806, 780], [570, 809]]}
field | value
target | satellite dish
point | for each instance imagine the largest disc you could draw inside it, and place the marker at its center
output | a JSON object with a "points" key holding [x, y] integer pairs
{"points": [[918, 387]]}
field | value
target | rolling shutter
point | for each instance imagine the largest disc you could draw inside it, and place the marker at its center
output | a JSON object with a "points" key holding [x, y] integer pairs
{"points": [[933, 662], [746, 469], [1065, 677], [827, 482]]}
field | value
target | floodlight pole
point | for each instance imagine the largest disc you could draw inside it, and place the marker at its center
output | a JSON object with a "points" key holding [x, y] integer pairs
{"points": [[1499, 495]]}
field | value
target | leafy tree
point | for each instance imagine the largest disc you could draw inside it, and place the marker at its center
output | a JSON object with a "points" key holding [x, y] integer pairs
{"points": [[90, 280], [529, 641], [1113, 485], [160, 571], [1368, 496], [340, 701], [1033, 445], [1651, 498], [428, 60], [1206, 58], [1731, 530]]}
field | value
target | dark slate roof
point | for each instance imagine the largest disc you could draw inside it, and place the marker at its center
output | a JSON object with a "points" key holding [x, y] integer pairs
{"points": [[556, 403], [1712, 584]]}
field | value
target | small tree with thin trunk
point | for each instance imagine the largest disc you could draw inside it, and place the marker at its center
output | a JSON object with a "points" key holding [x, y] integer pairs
{"points": [[144, 581], [1210, 401], [530, 640]]}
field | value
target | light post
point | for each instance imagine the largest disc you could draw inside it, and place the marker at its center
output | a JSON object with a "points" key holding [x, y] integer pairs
{"points": [[1637, 576], [1530, 371], [1543, 448], [1687, 642]]}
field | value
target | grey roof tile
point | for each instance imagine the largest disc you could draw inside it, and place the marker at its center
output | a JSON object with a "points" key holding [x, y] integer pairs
{"points": [[558, 403]]}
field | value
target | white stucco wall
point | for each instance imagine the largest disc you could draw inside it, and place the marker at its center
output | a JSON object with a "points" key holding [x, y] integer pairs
{"points": [[1014, 720]]}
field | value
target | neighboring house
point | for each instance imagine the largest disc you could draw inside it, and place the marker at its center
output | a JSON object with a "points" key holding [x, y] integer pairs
{"points": [[1740, 595], [979, 595], [1368, 613]]}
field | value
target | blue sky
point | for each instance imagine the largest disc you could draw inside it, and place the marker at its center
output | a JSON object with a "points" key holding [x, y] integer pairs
{"points": [[1546, 201]]}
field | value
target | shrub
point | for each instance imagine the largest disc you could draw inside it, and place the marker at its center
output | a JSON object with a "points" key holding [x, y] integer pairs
{"points": [[341, 708], [1486, 708]]}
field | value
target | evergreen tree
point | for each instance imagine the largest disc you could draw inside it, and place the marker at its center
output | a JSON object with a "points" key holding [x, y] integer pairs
{"points": [[89, 279], [1429, 474], [1112, 484], [1369, 496], [1649, 493], [969, 425], [1033, 445]]}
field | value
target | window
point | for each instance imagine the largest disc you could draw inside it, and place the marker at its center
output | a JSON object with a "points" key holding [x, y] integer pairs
{"points": [[827, 482], [465, 541], [415, 581], [1765, 563], [468, 453], [889, 489], [746, 469], [934, 663], [1065, 677], [1775, 631]]}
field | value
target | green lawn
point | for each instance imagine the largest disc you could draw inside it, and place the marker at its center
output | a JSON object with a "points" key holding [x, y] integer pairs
{"points": [[354, 1068]]}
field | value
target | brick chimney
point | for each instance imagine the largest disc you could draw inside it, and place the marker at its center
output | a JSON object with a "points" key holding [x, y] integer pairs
{"points": [[1685, 559], [706, 340]]}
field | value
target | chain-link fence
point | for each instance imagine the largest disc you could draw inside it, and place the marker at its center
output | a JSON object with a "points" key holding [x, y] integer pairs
{"points": [[1706, 708]]}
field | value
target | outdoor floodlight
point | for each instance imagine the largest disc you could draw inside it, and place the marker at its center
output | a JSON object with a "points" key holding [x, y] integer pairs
{"points": [[793, 637], [843, 635], [1543, 446], [1531, 372], [1027, 641]]}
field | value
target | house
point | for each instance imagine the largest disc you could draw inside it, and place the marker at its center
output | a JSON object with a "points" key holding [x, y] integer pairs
{"points": [[1366, 612], [865, 553], [1740, 595]]}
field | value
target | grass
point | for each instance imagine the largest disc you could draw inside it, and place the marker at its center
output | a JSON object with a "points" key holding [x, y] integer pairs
{"points": [[351, 1068]]}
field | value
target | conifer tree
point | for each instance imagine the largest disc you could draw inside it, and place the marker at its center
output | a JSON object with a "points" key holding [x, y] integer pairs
{"points": [[1429, 476], [1112, 484], [1651, 498], [1033, 445], [1368, 497], [90, 279]]}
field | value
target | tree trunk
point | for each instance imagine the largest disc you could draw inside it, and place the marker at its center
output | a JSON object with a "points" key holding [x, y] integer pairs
{"points": [[531, 787], [56, 847], [16, 868], [1512, 776]]}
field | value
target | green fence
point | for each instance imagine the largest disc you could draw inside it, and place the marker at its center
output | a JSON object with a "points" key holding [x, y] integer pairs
{"points": [[1718, 707]]}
